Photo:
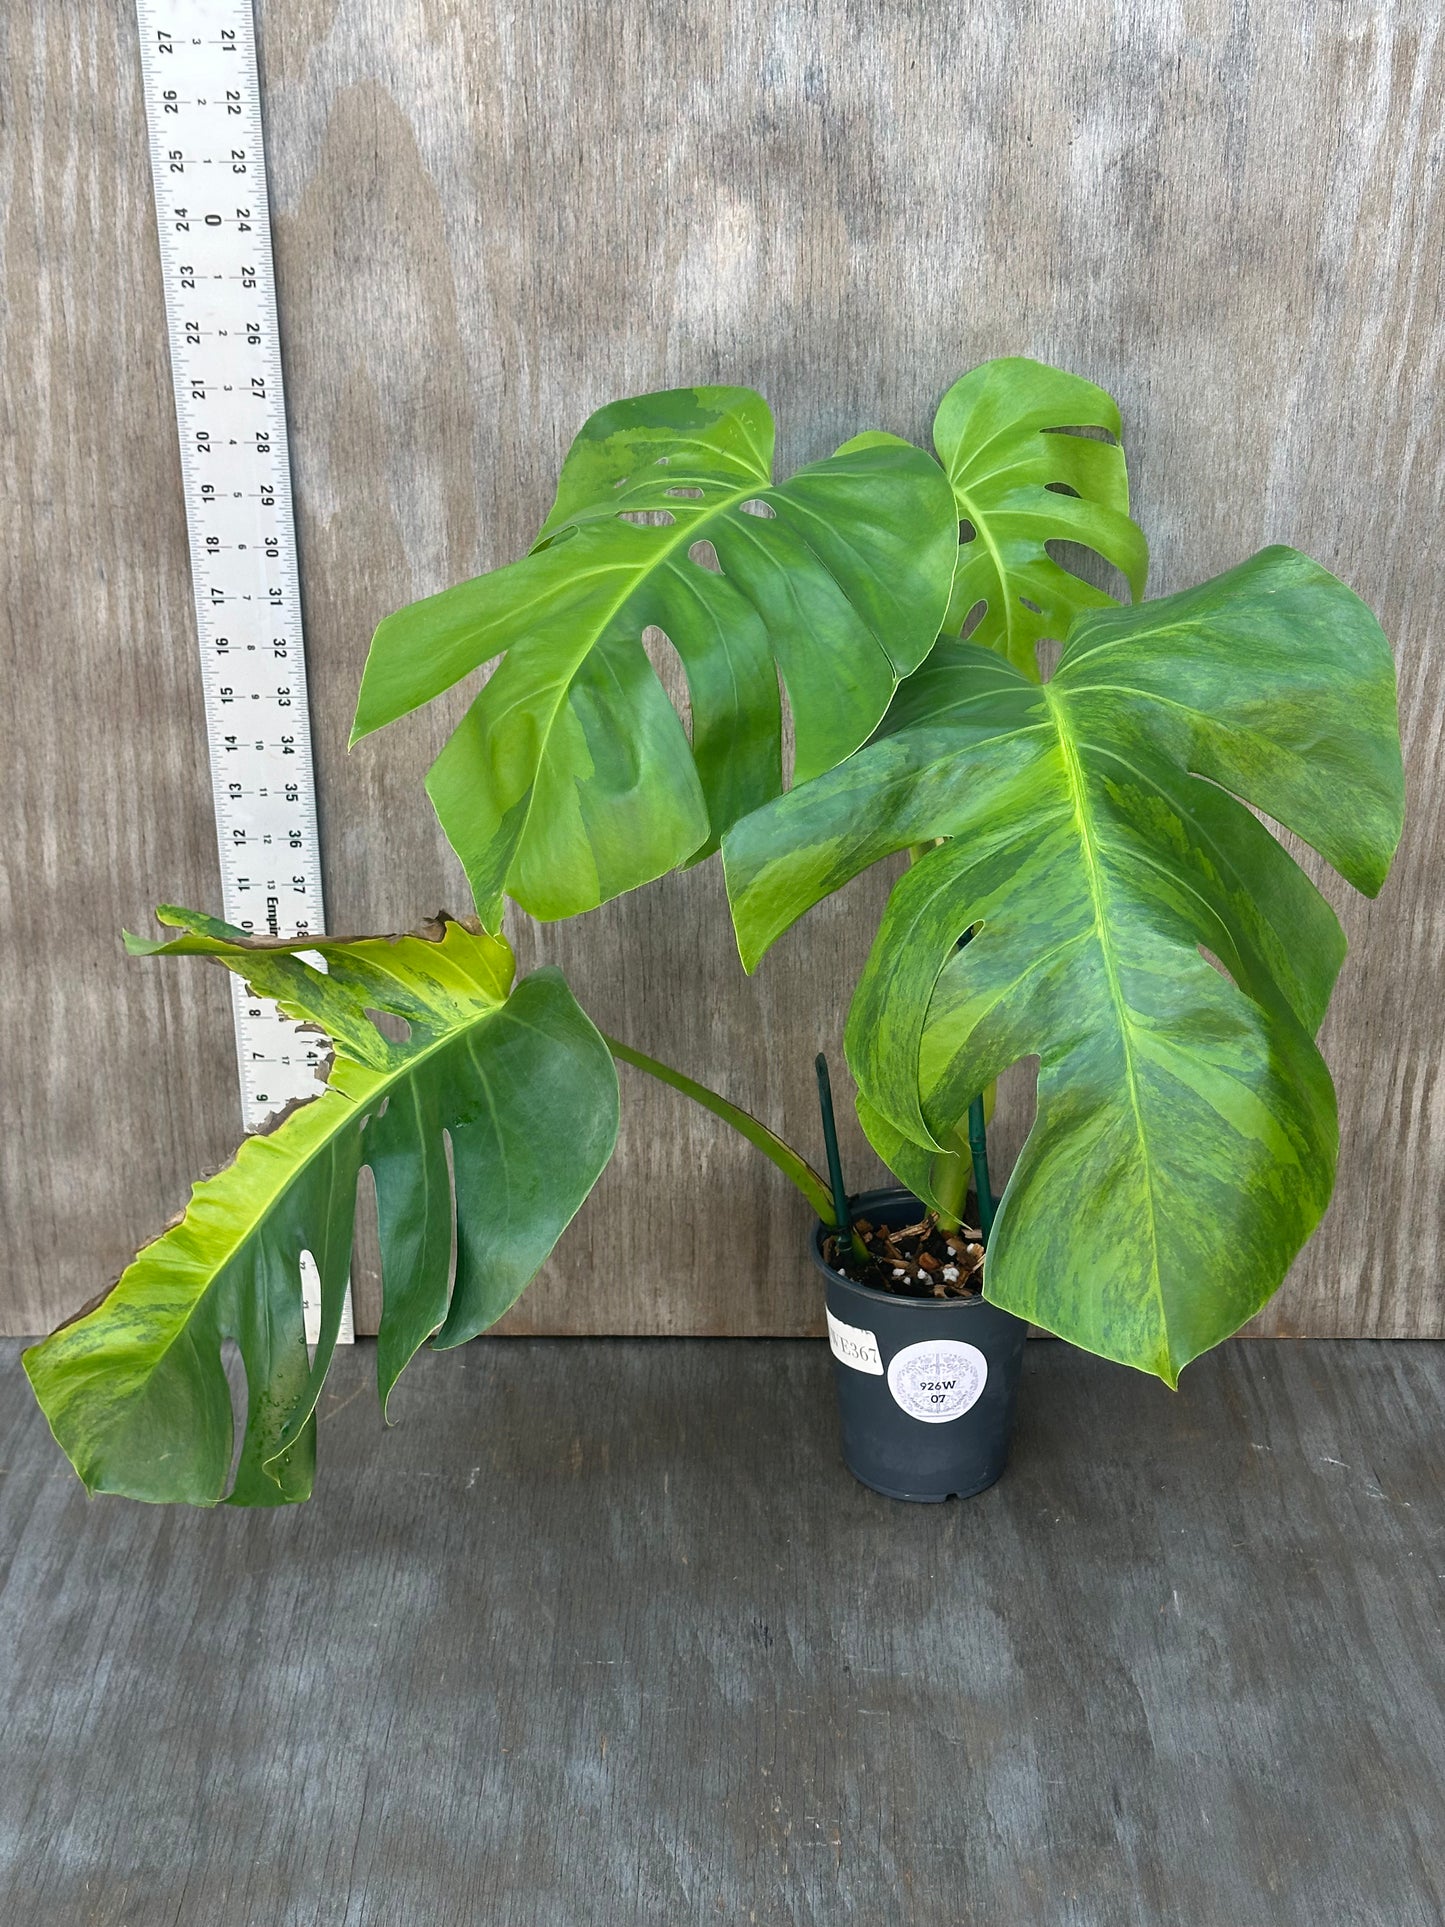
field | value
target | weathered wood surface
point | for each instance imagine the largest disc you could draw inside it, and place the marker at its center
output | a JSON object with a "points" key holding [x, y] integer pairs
{"points": [[491, 219], [603, 1634]]}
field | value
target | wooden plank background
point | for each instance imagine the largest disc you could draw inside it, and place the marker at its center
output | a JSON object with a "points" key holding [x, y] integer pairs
{"points": [[491, 219]]}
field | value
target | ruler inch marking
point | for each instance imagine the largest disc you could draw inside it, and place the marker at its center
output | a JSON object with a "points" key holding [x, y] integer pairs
{"points": [[208, 171]]}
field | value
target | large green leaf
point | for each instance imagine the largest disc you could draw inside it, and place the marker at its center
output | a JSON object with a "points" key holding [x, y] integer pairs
{"points": [[1021, 481], [571, 778], [516, 1080], [1185, 1138]]}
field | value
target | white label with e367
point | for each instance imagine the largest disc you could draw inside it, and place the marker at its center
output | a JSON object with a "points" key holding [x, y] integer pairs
{"points": [[853, 1346]]}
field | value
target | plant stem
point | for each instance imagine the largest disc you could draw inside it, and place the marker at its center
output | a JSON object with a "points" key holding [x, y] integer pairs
{"points": [[950, 1169], [830, 1142], [791, 1163], [948, 1175]]}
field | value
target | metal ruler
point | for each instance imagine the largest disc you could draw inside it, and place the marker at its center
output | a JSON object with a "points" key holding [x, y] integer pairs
{"points": [[203, 115]]}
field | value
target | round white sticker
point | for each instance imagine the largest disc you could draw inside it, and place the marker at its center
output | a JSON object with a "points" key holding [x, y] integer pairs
{"points": [[937, 1380]]}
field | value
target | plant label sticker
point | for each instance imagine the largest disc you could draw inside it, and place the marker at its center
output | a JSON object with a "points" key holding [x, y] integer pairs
{"points": [[938, 1380], [854, 1346]]}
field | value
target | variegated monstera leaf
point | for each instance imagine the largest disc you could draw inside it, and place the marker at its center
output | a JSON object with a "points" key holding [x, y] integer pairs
{"points": [[1034, 458], [1134, 926], [513, 1076], [571, 777]]}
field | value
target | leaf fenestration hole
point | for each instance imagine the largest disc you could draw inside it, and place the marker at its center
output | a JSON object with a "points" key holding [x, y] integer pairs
{"points": [[691, 494], [974, 617], [1089, 566], [763, 509], [451, 1156], [1032, 607], [1287, 838], [1087, 430], [705, 556], [558, 536], [238, 1383], [1214, 964], [662, 654], [647, 518], [966, 533], [789, 734], [1062, 488], [309, 1284], [1047, 651]]}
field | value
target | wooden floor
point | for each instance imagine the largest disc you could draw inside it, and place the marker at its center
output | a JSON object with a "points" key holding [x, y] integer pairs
{"points": [[602, 1632]]}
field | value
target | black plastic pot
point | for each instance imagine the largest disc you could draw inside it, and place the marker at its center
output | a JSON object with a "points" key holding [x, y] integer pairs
{"points": [[926, 1386]]}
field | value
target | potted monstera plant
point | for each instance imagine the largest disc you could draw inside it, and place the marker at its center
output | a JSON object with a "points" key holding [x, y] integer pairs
{"points": [[1089, 886]]}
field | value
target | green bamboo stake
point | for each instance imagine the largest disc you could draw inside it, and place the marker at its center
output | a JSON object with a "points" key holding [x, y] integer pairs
{"points": [[978, 1150], [978, 1147], [842, 1218]]}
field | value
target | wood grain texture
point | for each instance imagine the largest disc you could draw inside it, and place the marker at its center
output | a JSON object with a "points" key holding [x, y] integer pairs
{"points": [[490, 220], [117, 1085], [603, 1634]]}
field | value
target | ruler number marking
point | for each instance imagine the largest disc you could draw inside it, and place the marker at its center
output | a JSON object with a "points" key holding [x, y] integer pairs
{"points": [[208, 169]]}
